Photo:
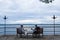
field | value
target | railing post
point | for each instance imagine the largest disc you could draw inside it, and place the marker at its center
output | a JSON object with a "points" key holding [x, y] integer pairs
{"points": [[54, 23], [5, 25], [54, 27], [4, 29]]}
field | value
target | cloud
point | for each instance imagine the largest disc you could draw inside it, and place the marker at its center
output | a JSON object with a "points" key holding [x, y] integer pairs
{"points": [[29, 11], [27, 21]]}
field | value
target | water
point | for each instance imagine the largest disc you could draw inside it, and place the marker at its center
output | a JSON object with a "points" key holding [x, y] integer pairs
{"points": [[48, 29]]}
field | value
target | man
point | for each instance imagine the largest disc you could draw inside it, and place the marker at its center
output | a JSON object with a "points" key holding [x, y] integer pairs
{"points": [[36, 31], [20, 30]]}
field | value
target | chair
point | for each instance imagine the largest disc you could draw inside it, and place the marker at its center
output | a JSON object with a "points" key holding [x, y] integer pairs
{"points": [[41, 31], [37, 32], [19, 32]]}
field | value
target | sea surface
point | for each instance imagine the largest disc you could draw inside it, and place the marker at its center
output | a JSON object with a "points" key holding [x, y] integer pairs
{"points": [[48, 29]]}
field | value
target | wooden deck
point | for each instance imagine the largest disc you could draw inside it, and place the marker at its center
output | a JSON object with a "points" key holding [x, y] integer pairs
{"points": [[14, 37]]}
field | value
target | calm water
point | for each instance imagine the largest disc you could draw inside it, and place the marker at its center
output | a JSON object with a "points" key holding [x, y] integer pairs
{"points": [[48, 29]]}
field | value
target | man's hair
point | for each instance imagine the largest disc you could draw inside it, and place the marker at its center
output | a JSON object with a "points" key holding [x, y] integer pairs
{"points": [[21, 25]]}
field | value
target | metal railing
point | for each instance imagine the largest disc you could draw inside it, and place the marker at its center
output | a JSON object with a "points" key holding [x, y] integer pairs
{"points": [[48, 29]]}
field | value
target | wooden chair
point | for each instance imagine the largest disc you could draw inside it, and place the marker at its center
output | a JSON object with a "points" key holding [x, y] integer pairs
{"points": [[41, 31], [38, 32], [19, 33]]}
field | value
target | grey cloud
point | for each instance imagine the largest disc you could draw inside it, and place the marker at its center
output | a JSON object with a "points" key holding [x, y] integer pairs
{"points": [[28, 9]]}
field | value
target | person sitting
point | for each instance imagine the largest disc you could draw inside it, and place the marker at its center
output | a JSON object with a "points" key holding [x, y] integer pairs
{"points": [[36, 31], [20, 30]]}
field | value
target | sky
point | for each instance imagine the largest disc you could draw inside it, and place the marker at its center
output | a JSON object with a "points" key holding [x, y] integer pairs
{"points": [[29, 12]]}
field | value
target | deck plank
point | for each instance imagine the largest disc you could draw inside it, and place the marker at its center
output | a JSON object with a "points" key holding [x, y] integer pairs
{"points": [[18, 38]]}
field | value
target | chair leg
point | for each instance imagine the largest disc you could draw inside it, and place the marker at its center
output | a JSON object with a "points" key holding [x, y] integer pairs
{"points": [[27, 35], [33, 35], [38, 35], [42, 34], [20, 35], [17, 34]]}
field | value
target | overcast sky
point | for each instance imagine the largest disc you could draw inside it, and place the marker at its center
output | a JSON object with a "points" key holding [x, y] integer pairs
{"points": [[29, 11]]}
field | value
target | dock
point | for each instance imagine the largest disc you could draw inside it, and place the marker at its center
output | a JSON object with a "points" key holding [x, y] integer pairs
{"points": [[14, 37]]}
